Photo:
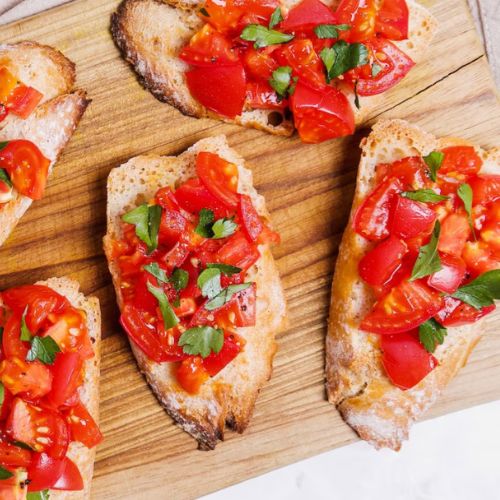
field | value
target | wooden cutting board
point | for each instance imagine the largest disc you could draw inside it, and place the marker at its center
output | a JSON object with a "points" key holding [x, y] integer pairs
{"points": [[308, 191]]}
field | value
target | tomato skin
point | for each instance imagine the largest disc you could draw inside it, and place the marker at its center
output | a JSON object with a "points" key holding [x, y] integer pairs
{"points": [[460, 159], [410, 171], [259, 64], [379, 264], [221, 89], [360, 16], [406, 306], [405, 360], [372, 217], [485, 188], [252, 224], [411, 218], [393, 19], [27, 167], [243, 306], [260, 95], [83, 427], [219, 176], [321, 115], [308, 14], [450, 276], [457, 313], [70, 478], [23, 100], [455, 231], [14, 456], [239, 252], [44, 472], [215, 362], [191, 374], [67, 373], [172, 225], [193, 196], [32, 379], [13, 346]]}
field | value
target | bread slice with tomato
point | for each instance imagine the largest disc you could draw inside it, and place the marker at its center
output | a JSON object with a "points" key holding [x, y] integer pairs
{"points": [[151, 35], [402, 323], [231, 379], [38, 104], [80, 410]]}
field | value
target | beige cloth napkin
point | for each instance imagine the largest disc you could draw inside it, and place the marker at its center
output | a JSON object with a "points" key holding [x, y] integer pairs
{"points": [[486, 14]]}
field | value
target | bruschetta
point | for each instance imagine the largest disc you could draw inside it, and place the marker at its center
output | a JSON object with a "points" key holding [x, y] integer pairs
{"points": [[39, 111], [418, 267], [49, 390], [188, 246], [308, 65]]}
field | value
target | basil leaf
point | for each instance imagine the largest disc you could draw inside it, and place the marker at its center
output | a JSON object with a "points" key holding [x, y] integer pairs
{"points": [[433, 161], [281, 79], [428, 261], [202, 340], [2, 393], [225, 296], [482, 291], [209, 283], [225, 268], [424, 195], [330, 30], [44, 349], [376, 69], [3, 145], [223, 228], [342, 57], [38, 495], [168, 314], [430, 333], [5, 474], [180, 279], [204, 12], [204, 227], [147, 223], [276, 17], [4, 177], [157, 272], [464, 192], [263, 36], [26, 335]]}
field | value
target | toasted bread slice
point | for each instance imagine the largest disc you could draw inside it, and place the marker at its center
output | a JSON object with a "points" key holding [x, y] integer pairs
{"points": [[229, 397], [89, 391], [52, 123], [356, 382], [151, 33]]}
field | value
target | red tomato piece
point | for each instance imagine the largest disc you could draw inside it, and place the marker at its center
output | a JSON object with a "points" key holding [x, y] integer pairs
{"points": [[269, 237], [219, 176], [214, 363], [221, 89], [411, 218], [360, 16], [14, 456], [455, 231], [83, 427], [450, 276], [244, 307], [30, 378], [177, 255], [209, 48], [485, 188], [380, 263], [252, 223], [27, 167], [372, 217], [172, 225], [411, 171], [187, 307], [165, 197], [70, 478], [460, 159], [191, 374], [405, 360], [23, 100], [457, 313], [480, 258], [406, 306], [308, 14], [239, 252], [12, 344], [320, 115], [44, 472], [392, 20], [193, 196], [260, 95], [68, 376], [5, 407], [3, 112], [191, 289], [259, 63]]}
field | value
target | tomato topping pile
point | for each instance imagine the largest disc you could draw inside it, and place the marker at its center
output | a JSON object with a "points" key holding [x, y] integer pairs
{"points": [[252, 54], [434, 262], [184, 261], [45, 344]]}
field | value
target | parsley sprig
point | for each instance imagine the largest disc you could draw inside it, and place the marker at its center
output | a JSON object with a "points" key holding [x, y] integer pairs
{"points": [[208, 227], [146, 219]]}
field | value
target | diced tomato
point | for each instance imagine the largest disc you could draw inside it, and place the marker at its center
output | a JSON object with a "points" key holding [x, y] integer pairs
{"points": [[30, 378], [405, 360], [392, 20], [490, 231], [214, 363], [321, 115], [68, 376], [27, 167], [260, 95], [411, 171], [70, 478], [379, 264], [450, 276], [394, 64], [219, 176], [12, 344], [177, 255], [455, 231], [193, 196], [259, 63], [406, 306], [187, 307], [372, 217], [411, 218], [480, 258], [360, 16], [457, 313], [308, 14], [208, 48], [83, 427], [14, 456], [165, 197], [172, 225], [299, 54], [243, 306], [23, 100], [191, 374], [239, 252], [221, 89], [485, 188], [191, 289], [460, 160], [44, 472], [252, 223]]}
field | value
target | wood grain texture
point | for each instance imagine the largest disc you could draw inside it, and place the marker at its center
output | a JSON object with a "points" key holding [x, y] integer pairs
{"points": [[309, 191]]}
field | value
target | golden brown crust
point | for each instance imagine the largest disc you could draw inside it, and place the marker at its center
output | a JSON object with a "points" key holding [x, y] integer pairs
{"points": [[356, 383], [230, 396]]}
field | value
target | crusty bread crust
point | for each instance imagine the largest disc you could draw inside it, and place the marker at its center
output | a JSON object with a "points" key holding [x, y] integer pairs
{"points": [[151, 33], [230, 396], [52, 123], [89, 391], [355, 379]]}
